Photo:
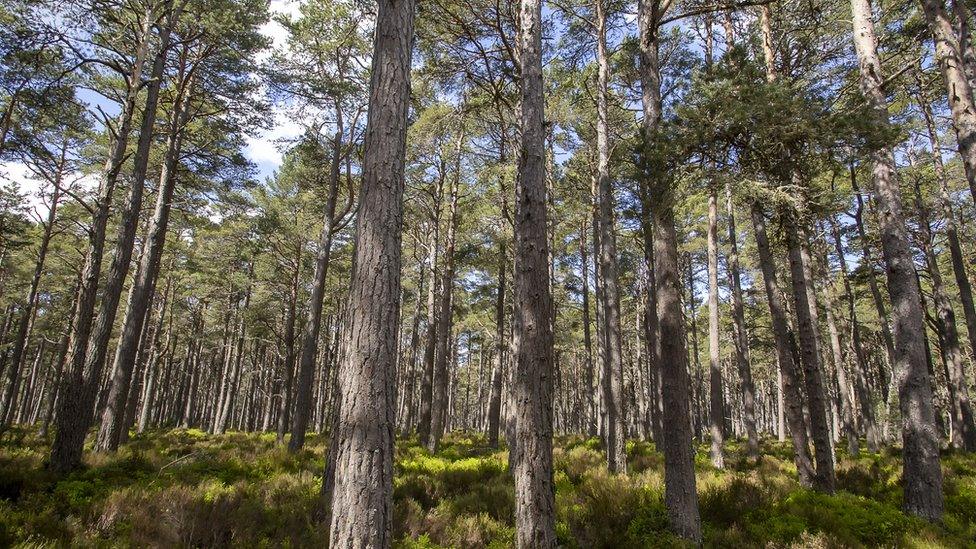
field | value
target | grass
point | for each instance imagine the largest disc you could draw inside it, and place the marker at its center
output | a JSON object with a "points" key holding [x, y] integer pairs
{"points": [[188, 488]]}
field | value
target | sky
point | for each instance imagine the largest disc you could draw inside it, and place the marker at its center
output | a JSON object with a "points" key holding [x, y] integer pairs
{"points": [[263, 148]]}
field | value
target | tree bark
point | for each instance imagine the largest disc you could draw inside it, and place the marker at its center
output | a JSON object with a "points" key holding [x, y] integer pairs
{"points": [[922, 474], [963, 425], [839, 359], [951, 228], [716, 398], [807, 331], [613, 384], [27, 313], [73, 414], [950, 56], [533, 338], [233, 381], [680, 494], [433, 314], [742, 359], [789, 372], [868, 262], [362, 497], [440, 409], [313, 322], [147, 274], [864, 397]]}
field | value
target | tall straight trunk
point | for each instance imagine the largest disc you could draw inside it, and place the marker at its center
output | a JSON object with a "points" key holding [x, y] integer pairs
{"points": [[62, 357], [501, 346], [535, 524], [590, 403], [742, 359], [598, 316], [651, 330], [864, 397], [951, 58], [433, 314], [362, 496], [680, 494], [79, 384], [440, 408], [716, 425], [700, 407], [407, 398], [27, 312], [313, 322], [791, 398], [223, 416], [147, 273], [867, 259], [128, 226], [839, 361], [808, 335], [963, 425], [788, 370], [193, 365], [430, 346], [922, 474], [291, 317], [226, 356], [34, 390], [154, 367], [716, 400], [951, 228], [147, 349], [613, 383], [501, 355]]}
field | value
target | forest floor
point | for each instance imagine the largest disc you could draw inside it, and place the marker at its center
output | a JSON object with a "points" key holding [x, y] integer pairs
{"points": [[187, 488]]}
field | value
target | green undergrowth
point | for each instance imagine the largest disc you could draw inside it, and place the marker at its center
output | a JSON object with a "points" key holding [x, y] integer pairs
{"points": [[188, 488]]}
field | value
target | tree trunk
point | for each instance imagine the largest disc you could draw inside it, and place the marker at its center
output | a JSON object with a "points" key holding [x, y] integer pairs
{"points": [[867, 260], [922, 475], [498, 367], [950, 56], [864, 397], [613, 383], [839, 362], [27, 312], [145, 280], [440, 409], [680, 494], [74, 412], [742, 359], [807, 331], [591, 408], [533, 339], [963, 426], [306, 367], [362, 497], [790, 374], [716, 398], [291, 316], [951, 228], [223, 417], [433, 314]]}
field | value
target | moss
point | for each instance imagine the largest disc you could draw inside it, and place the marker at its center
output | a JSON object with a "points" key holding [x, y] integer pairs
{"points": [[188, 488]]}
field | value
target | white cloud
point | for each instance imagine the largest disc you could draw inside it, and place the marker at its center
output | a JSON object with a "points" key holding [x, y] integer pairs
{"points": [[35, 190], [272, 29], [265, 148]]}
